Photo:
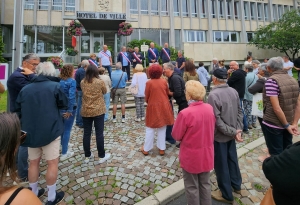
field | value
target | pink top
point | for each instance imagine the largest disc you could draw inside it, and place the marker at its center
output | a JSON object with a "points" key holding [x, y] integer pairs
{"points": [[195, 127]]}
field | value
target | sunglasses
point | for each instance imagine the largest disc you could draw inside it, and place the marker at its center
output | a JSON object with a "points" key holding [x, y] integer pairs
{"points": [[23, 136]]}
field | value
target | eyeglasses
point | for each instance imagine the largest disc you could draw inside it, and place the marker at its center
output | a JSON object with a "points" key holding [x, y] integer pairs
{"points": [[33, 64]]}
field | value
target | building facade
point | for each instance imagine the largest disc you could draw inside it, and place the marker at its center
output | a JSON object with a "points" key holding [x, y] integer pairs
{"points": [[202, 28]]}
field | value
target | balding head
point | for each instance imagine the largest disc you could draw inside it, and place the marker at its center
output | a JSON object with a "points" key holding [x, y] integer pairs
{"points": [[152, 45], [105, 47], [166, 45], [123, 49], [234, 65]]}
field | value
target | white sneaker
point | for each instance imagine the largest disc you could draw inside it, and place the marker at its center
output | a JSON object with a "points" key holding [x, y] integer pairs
{"points": [[114, 120], [66, 156], [123, 120], [87, 159], [143, 118], [102, 160], [138, 119]]}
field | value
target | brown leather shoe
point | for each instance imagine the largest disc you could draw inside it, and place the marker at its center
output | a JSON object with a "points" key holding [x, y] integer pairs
{"points": [[217, 195], [162, 152], [143, 151]]}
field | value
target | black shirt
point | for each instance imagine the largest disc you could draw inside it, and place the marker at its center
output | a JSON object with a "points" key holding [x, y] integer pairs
{"points": [[237, 81], [180, 61]]}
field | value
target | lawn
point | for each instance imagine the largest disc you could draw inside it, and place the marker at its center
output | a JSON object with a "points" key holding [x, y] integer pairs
{"points": [[3, 101]]}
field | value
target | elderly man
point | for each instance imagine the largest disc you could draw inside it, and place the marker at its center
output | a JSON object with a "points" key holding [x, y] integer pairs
{"points": [[105, 59], [280, 119], [180, 62], [119, 80], [288, 65], [38, 106], [80, 74], [165, 54], [215, 65], [237, 80], [152, 54], [229, 123], [20, 78], [137, 57], [123, 58]]}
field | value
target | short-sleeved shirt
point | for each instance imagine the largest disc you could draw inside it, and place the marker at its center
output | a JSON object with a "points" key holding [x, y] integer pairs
{"points": [[289, 64], [272, 88], [180, 61], [115, 77], [104, 57]]}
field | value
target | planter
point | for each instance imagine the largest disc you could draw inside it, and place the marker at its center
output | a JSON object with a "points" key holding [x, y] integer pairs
{"points": [[73, 53]]}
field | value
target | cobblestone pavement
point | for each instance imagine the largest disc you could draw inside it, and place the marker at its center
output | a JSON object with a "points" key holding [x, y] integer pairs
{"points": [[128, 176]]}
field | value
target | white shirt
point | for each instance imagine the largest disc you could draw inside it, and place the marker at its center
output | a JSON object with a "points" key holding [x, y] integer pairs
{"points": [[247, 62], [107, 82], [141, 79], [289, 64], [104, 58], [255, 71]]}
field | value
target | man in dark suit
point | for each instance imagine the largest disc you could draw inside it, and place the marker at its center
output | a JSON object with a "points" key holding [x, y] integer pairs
{"points": [[165, 54], [124, 59], [137, 57], [20, 78], [152, 54]]}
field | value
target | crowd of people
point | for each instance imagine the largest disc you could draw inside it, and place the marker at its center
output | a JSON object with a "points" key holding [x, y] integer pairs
{"points": [[207, 126]]}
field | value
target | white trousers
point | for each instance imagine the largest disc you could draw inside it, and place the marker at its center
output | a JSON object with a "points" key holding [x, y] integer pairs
{"points": [[161, 138]]}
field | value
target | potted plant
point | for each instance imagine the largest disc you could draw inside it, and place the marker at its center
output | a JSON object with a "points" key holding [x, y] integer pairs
{"points": [[71, 52], [125, 29], [57, 61], [75, 28]]}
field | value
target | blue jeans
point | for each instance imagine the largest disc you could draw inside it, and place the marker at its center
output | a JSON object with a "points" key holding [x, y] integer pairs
{"points": [[244, 116], [22, 163], [78, 115], [107, 103], [169, 129], [65, 137], [108, 67]]}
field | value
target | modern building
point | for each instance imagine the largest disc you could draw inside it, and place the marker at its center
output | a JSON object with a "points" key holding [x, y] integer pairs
{"points": [[202, 28]]}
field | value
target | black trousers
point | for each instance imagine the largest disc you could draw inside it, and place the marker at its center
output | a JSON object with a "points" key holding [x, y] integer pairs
{"points": [[181, 106], [127, 70], [87, 131], [227, 168]]}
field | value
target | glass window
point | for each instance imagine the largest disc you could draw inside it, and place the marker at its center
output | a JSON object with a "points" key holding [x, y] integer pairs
{"points": [[144, 6], [177, 39], [236, 10], [164, 7], [286, 8], [203, 8], [213, 8], [275, 14], [190, 36], [259, 11], [7, 36], [151, 34], [218, 36], [185, 11], [266, 11], [291, 8], [194, 7], [85, 41], [164, 36], [135, 35], [229, 8], [252, 10], [43, 4], [57, 5], [246, 10], [29, 4], [70, 5], [28, 39], [195, 36], [225, 36], [250, 36], [280, 11], [233, 37], [154, 7], [221, 8], [134, 7], [176, 7], [49, 39]]}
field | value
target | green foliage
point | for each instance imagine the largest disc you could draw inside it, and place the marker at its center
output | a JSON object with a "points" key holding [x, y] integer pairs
{"points": [[282, 35], [138, 43], [2, 60]]}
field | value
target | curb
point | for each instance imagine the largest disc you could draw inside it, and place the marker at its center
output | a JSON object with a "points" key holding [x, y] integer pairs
{"points": [[176, 189]]}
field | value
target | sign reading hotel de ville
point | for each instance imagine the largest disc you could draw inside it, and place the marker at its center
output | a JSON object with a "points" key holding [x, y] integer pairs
{"points": [[101, 15]]}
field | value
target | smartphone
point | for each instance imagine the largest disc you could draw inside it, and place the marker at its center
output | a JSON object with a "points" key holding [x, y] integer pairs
{"points": [[23, 136]]}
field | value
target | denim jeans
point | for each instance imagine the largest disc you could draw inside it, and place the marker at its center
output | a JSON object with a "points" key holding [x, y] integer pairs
{"points": [[108, 67], [22, 163], [78, 115], [65, 137], [244, 116], [107, 103], [169, 129], [87, 131]]}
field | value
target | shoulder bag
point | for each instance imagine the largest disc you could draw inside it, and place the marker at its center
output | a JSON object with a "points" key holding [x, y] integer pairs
{"points": [[268, 198], [134, 89], [114, 90]]}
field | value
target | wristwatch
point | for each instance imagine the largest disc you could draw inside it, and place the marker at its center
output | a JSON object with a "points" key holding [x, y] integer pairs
{"points": [[286, 126]]}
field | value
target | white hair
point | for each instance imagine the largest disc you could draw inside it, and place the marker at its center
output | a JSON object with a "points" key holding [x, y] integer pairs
{"points": [[215, 59], [46, 68], [85, 63], [275, 63], [118, 65]]}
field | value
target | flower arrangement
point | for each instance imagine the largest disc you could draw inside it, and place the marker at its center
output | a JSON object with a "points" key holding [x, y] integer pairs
{"points": [[75, 28], [125, 29], [57, 61], [71, 52]]}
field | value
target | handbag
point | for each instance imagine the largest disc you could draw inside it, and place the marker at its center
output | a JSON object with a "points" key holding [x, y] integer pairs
{"points": [[134, 89], [257, 105], [268, 198], [114, 90]]}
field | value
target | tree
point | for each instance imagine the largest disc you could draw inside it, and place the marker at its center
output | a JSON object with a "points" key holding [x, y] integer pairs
{"points": [[2, 60], [282, 35]]}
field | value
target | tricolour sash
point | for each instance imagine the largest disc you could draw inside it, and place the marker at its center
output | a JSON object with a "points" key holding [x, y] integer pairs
{"points": [[166, 53], [92, 62], [152, 52], [105, 54], [137, 58], [124, 56]]}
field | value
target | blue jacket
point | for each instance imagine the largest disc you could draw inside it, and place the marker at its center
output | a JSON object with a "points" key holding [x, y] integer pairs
{"points": [[151, 56], [38, 106], [68, 86], [163, 55], [79, 75], [15, 83], [120, 58]]}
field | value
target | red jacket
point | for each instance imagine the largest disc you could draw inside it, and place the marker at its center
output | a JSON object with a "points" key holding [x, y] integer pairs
{"points": [[195, 127]]}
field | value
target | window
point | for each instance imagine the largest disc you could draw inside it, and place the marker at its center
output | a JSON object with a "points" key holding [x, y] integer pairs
{"points": [[144, 6], [229, 9], [291, 8], [246, 10], [252, 10], [275, 14], [154, 7], [203, 8], [178, 39], [164, 7], [250, 36], [134, 7], [29, 4], [213, 8], [184, 8], [49, 39], [236, 10], [194, 7], [158, 36], [259, 11], [226, 36], [266, 11], [176, 7], [43, 4], [221, 8], [57, 5], [280, 11], [286, 8], [195, 36], [70, 5]]}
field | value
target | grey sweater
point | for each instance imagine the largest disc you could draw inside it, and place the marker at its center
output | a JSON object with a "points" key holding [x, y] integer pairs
{"points": [[229, 117]]}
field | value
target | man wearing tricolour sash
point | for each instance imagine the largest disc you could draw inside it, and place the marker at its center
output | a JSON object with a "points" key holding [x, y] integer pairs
{"points": [[152, 54], [137, 57], [165, 55], [105, 59], [124, 59]]}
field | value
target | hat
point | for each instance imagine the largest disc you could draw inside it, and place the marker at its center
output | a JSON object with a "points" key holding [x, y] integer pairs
{"points": [[220, 73]]}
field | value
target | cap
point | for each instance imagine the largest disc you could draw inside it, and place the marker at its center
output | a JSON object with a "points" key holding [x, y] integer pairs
{"points": [[220, 73]]}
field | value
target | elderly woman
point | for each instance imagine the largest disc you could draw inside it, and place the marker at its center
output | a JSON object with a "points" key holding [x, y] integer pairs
{"points": [[107, 82], [194, 127], [255, 64], [139, 79], [93, 60], [93, 111], [190, 71], [156, 95], [68, 86]]}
